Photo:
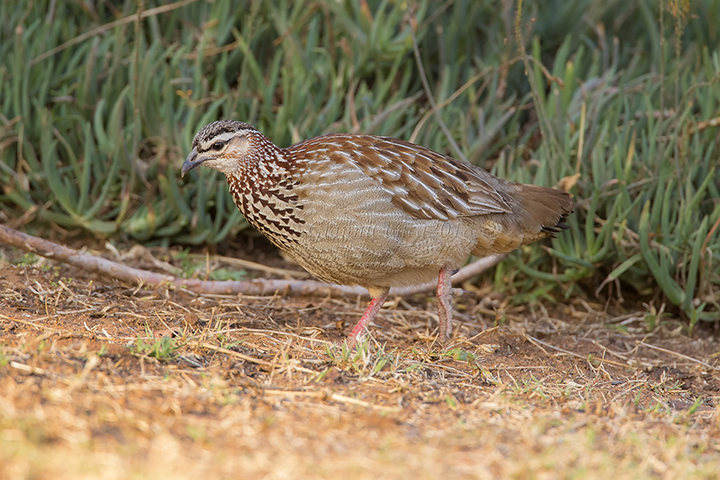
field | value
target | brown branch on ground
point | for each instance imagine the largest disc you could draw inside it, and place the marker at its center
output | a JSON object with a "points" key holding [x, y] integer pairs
{"points": [[136, 276]]}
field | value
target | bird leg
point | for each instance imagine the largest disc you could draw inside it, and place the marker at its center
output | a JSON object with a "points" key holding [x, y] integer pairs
{"points": [[378, 299], [444, 301]]}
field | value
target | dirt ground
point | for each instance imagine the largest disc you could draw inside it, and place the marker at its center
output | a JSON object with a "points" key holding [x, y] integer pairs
{"points": [[104, 380]]}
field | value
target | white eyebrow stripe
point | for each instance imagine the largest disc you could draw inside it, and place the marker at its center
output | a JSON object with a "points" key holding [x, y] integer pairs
{"points": [[225, 137]]}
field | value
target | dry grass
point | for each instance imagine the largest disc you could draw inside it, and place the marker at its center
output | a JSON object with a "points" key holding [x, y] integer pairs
{"points": [[98, 380]]}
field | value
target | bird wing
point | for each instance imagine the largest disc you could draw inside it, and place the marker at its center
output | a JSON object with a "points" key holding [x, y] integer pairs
{"points": [[423, 183]]}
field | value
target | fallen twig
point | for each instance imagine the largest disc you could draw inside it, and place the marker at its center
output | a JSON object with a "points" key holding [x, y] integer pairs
{"points": [[38, 326], [247, 358], [255, 266], [336, 397], [678, 354], [136, 276], [538, 344]]}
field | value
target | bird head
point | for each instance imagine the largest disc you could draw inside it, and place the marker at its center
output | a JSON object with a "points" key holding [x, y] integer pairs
{"points": [[221, 145]]}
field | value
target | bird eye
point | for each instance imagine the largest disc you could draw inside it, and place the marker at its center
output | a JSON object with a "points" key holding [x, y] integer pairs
{"points": [[217, 146]]}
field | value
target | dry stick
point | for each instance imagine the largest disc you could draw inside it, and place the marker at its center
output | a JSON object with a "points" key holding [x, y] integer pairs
{"points": [[446, 102], [677, 354], [330, 396], [545, 127], [25, 322], [572, 354], [428, 92], [132, 275], [109, 26], [233, 353], [254, 266], [27, 368]]}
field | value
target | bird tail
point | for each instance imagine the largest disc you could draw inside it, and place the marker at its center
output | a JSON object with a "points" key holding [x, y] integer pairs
{"points": [[537, 213], [545, 211]]}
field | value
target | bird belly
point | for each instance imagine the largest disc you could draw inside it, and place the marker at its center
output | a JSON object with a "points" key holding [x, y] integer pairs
{"points": [[380, 247], [347, 230]]}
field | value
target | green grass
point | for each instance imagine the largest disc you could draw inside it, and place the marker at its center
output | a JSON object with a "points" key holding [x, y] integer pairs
{"points": [[164, 348], [99, 106]]}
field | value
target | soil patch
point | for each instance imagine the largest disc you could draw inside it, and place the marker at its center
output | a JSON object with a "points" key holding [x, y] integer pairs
{"points": [[103, 380]]}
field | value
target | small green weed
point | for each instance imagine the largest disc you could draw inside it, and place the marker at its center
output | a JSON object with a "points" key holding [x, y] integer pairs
{"points": [[165, 348]]}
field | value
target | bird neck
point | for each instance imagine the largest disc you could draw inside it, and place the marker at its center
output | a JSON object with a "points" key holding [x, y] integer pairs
{"points": [[263, 191], [262, 166], [262, 186]]}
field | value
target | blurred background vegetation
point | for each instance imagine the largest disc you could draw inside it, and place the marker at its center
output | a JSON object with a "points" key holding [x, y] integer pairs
{"points": [[99, 102]]}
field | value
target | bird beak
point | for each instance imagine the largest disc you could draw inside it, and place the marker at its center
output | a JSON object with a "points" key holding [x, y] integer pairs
{"points": [[191, 162]]}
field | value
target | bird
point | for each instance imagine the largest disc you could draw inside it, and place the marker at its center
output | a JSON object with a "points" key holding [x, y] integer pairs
{"points": [[375, 211]]}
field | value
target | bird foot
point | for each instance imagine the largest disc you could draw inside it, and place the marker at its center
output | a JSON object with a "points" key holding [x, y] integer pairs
{"points": [[444, 295], [358, 332], [350, 346]]}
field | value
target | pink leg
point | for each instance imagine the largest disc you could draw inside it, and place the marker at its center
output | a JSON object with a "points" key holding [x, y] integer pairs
{"points": [[444, 301], [378, 299]]}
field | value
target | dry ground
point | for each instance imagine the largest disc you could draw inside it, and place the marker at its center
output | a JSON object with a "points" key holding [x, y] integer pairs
{"points": [[102, 380]]}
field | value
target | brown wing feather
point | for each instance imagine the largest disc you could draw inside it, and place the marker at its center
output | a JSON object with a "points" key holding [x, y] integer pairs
{"points": [[423, 183]]}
